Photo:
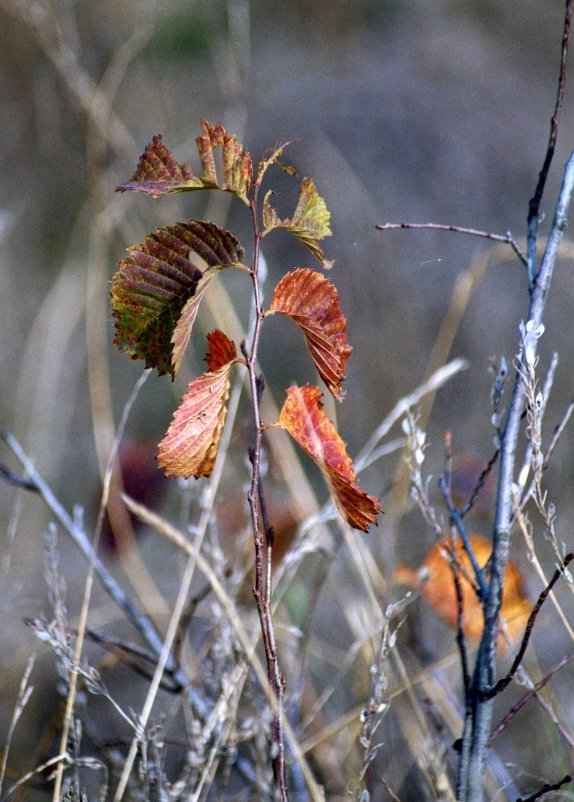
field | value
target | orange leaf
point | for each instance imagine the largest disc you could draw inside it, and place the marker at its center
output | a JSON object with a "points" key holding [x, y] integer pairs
{"points": [[303, 417], [190, 445], [435, 582], [312, 302]]}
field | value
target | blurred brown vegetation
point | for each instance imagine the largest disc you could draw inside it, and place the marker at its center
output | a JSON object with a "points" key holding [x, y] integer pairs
{"points": [[407, 110]]}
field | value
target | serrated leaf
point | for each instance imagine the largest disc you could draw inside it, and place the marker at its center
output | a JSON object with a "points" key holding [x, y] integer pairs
{"points": [[157, 289], [192, 440], [237, 168], [158, 172], [303, 417], [312, 302], [220, 350], [310, 222]]}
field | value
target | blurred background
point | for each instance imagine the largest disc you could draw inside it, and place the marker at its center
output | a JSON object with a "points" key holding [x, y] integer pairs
{"points": [[401, 111]]}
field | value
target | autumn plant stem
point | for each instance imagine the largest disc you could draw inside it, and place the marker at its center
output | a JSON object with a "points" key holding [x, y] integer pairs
{"points": [[262, 587], [479, 711], [156, 293]]}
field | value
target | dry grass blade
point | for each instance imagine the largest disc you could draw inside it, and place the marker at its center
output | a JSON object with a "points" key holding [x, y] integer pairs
{"points": [[24, 693], [248, 643]]}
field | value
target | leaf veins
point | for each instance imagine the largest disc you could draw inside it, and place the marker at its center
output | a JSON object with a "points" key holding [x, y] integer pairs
{"points": [[192, 440], [158, 172], [312, 302], [310, 221], [158, 286], [303, 417]]}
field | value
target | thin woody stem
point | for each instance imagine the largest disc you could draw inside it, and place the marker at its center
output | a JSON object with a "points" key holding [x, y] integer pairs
{"points": [[263, 534], [535, 201], [473, 232], [479, 715]]}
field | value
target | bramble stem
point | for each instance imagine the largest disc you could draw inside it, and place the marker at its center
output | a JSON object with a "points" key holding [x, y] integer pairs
{"points": [[263, 534]]}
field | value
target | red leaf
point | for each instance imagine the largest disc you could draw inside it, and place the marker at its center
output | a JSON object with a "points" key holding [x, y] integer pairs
{"points": [[191, 443], [312, 302], [221, 350], [303, 417], [158, 173]]}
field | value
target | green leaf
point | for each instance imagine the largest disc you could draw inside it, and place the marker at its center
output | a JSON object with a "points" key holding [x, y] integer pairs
{"points": [[310, 222], [158, 172], [158, 286]]}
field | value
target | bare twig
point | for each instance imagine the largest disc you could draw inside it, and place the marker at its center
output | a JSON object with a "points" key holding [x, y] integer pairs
{"points": [[480, 483], [478, 718], [460, 639], [546, 789], [505, 721], [534, 204], [18, 481], [456, 520], [473, 232], [506, 680]]}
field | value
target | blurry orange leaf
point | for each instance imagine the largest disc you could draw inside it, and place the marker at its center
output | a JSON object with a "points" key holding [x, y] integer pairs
{"points": [[190, 445], [312, 302], [158, 172], [434, 580], [310, 221], [303, 417]]}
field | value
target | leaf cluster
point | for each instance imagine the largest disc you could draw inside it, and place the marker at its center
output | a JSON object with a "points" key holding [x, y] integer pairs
{"points": [[159, 285]]}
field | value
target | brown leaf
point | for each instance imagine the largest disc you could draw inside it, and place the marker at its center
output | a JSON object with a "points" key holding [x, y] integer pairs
{"points": [[191, 443], [237, 168], [158, 287], [158, 172], [312, 302], [303, 417]]}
